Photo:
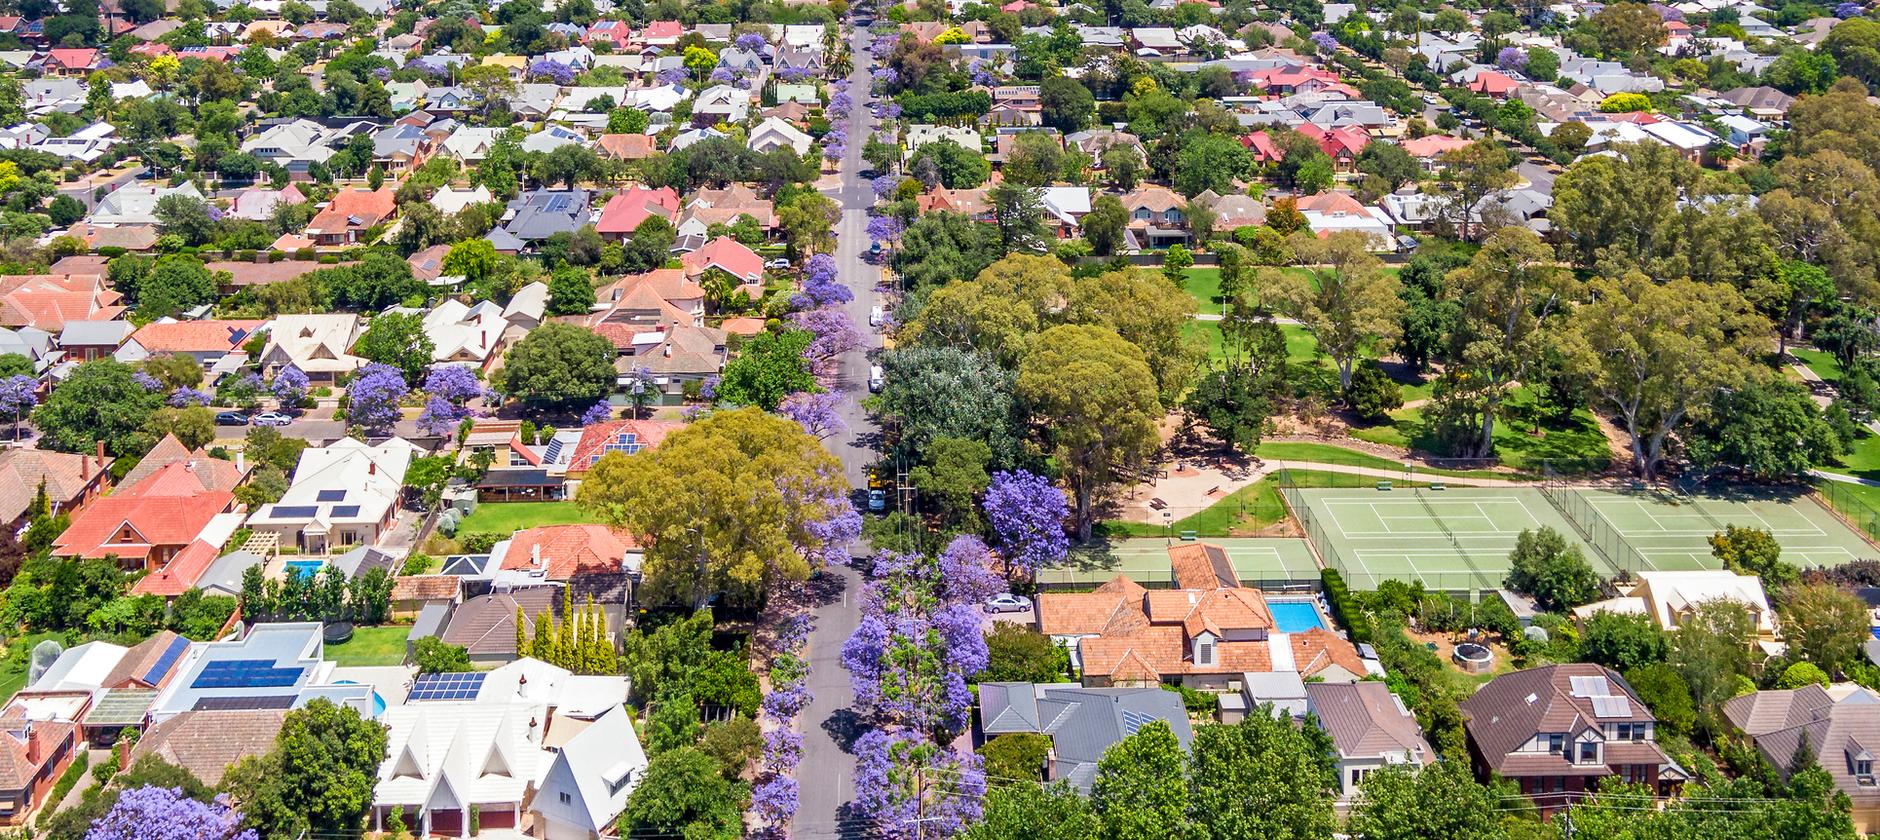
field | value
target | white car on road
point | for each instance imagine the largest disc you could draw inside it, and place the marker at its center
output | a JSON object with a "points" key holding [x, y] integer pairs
{"points": [[876, 316], [1007, 602]]}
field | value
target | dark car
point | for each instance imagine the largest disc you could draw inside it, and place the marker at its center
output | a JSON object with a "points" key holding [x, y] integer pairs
{"points": [[231, 418]]}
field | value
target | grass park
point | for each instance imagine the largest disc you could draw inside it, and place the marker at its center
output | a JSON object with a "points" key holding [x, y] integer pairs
{"points": [[516, 516], [382, 645]]}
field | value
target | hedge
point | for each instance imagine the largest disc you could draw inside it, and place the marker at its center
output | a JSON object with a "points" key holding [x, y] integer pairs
{"points": [[1344, 609]]}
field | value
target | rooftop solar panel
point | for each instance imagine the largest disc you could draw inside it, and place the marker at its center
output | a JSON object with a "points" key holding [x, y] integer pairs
{"points": [[1133, 721], [454, 686], [331, 496], [166, 661], [246, 673], [345, 510], [243, 703], [295, 512]]}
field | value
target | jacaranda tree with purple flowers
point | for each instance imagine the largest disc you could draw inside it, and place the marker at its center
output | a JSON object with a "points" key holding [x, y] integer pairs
{"points": [[597, 413], [289, 388], [448, 388], [816, 413], [553, 71], [832, 333], [373, 397], [1026, 513], [159, 813], [909, 659], [909, 786], [820, 284], [186, 397], [18, 395]]}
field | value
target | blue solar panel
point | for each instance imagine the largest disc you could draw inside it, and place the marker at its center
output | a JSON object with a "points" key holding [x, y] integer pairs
{"points": [[553, 451], [331, 496], [346, 510], [246, 673], [454, 686], [295, 512], [166, 661], [1133, 721]]}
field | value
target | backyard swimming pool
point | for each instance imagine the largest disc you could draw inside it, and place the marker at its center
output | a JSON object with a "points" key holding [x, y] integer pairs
{"points": [[305, 567], [1295, 616]]}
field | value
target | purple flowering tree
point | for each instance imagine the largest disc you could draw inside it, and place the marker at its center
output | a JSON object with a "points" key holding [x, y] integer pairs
{"points": [[158, 813], [290, 388], [832, 333], [186, 397], [885, 229], [553, 71], [597, 413], [18, 395], [774, 798], [1027, 514], [884, 186], [816, 413], [751, 42], [911, 787], [372, 400], [792, 74], [722, 75], [1325, 42], [448, 388], [820, 284], [1848, 10], [916, 646], [672, 76], [1512, 58], [146, 381], [966, 576], [981, 73]]}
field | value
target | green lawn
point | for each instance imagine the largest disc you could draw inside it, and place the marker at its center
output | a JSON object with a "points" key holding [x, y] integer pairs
{"points": [[1863, 458], [1205, 285], [1325, 453], [372, 646], [509, 517], [18, 660], [1577, 441], [1823, 364]]}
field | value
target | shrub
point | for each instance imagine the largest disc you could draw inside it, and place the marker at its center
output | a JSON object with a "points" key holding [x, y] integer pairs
{"points": [[1344, 609]]}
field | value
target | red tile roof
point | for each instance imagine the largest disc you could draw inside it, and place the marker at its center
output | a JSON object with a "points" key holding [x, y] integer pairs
{"points": [[596, 438], [368, 207], [48, 301], [169, 508], [728, 254], [626, 210], [567, 551], [195, 336], [181, 573]]}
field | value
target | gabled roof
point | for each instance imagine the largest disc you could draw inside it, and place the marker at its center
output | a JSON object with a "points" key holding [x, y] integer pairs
{"points": [[625, 211], [598, 768], [627, 436], [65, 475], [734, 257], [568, 551], [1509, 710], [1365, 720], [211, 336]]}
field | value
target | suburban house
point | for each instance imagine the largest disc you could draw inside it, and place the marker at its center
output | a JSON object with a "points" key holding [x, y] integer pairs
{"points": [[350, 214], [343, 495], [208, 742], [1671, 598], [136, 203], [222, 674], [776, 133], [32, 755], [727, 255], [1082, 722], [1557, 730], [84, 341], [485, 625], [97, 665], [482, 740], [1155, 215], [318, 345], [1838, 734], [585, 788], [627, 437], [146, 524], [50, 301], [624, 212], [71, 480], [205, 341], [541, 214], [1371, 729], [1203, 634]]}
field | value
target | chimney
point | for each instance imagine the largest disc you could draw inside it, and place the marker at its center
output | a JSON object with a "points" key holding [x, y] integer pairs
{"points": [[84, 470], [241, 461], [535, 555], [32, 744], [372, 468], [101, 457]]}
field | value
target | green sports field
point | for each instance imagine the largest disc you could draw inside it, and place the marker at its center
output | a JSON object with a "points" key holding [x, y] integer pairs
{"points": [[1268, 562], [1672, 531]]}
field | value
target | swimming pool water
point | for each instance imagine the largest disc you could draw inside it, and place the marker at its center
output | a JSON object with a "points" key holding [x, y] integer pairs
{"points": [[305, 567], [1295, 616]]}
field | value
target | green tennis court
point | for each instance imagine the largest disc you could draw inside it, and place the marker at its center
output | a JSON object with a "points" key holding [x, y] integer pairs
{"points": [[1267, 562], [1672, 531], [1451, 540]]}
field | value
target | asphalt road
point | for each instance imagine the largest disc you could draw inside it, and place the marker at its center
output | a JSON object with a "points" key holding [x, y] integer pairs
{"points": [[826, 776]]}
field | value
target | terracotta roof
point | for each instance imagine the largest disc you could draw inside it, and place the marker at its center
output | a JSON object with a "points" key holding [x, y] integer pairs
{"points": [[182, 572], [130, 525], [1156, 199], [210, 473], [746, 326], [627, 209], [627, 146], [66, 476], [208, 743], [1115, 606], [267, 274], [1366, 720], [596, 438], [569, 551], [425, 587], [1201, 566], [128, 237], [428, 264], [729, 254], [1431, 145], [48, 301], [16, 769], [355, 210], [195, 336]]}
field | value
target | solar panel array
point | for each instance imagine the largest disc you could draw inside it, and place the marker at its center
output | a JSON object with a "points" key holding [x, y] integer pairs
{"points": [[627, 442], [454, 686], [1133, 721], [166, 661], [331, 496], [295, 512], [345, 510], [1612, 707], [246, 673], [552, 452]]}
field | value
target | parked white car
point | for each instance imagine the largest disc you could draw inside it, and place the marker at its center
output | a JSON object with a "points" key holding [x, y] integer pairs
{"points": [[1007, 602]]}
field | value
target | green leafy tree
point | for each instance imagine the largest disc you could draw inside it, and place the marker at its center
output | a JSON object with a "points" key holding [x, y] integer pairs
{"points": [[1771, 431], [1016, 653], [1663, 691], [99, 401], [436, 656], [953, 477], [1017, 758], [684, 795], [733, 496], [1103, 225], [1442, 800], [768, 368], [734, 743], [175, 283], [1555, 572], [1621, 641], [959, 168], [399, 340], [1800, 675], [1035, 812], [1261, 778], [570, 291], [1343, 297], [1824, 624], [559, 364], [673, 723], [1097, 398], [1753, 551], [185, 216], [1210, 161], [1066, 104], [1372, 394], [1710, 650], [318, 778], [1140, 792]]}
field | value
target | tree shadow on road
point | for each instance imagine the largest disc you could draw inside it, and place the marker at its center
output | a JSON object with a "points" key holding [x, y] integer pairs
{"points": [[843, 726], [825, 589]]}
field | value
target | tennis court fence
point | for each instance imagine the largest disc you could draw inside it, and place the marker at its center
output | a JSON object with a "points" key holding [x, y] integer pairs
{"points": [[1842, 499], [1593, 528]]}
